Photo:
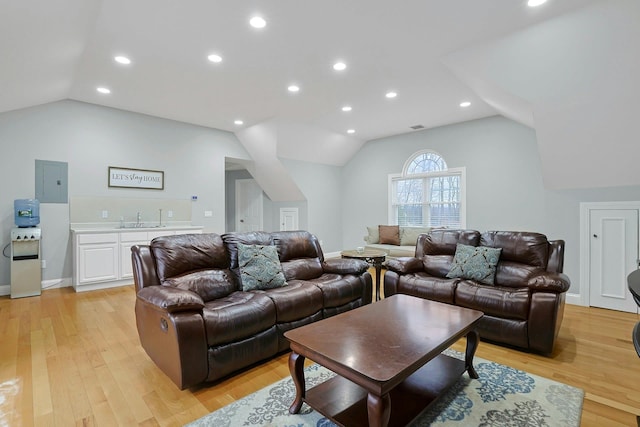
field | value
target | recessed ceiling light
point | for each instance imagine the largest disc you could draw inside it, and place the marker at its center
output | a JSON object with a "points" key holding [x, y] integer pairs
{"points": [[214, 58], [103, 90], [391, 95], [238, 122], [346, 108], [465, 104], [351, 131], [534, 3], [339, 66], [122, 60], [293, 88], [258, 22]]}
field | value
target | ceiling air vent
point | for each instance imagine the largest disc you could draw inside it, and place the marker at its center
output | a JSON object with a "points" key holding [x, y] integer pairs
{"points": [[416, 127]]}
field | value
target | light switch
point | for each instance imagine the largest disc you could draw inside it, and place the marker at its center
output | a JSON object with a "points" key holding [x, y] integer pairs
{"points": [[208, 213], [105, 214], [169, 214]]}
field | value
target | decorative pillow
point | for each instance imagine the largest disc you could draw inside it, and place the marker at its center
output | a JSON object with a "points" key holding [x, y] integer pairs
{"points": [[259, 267], [389, 234], [475, 263], [372, 236], [409, 235]]}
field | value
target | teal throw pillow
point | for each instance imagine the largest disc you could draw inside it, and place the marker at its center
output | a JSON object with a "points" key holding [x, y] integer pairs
{"points": [[259, 267], [475, 263]]}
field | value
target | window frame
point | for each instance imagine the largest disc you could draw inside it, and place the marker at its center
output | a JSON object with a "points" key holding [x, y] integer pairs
{"points": [[461, 172]]}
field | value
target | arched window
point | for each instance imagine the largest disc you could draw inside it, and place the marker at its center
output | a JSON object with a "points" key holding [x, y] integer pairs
{"points": [[427, 193], [423, 162]]}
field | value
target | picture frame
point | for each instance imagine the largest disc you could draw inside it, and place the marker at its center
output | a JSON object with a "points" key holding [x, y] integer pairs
{"points": [[135, 178]]}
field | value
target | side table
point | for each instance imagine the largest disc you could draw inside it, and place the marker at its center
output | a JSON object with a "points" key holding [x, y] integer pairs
{"points": [[373, 257]]}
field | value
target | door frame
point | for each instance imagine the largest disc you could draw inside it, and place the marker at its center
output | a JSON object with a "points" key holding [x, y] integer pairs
{"points": [[585, 239]]}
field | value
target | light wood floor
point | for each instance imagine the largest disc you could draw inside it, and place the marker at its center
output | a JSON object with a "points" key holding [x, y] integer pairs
{"points": [[74, 359]]}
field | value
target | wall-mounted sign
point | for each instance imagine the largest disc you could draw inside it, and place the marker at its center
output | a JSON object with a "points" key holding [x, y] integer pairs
{"points": [[136, 178]]}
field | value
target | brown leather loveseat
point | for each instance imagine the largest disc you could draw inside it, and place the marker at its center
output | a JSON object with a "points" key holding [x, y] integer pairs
{"points": [[524, 304], [197, 324]]}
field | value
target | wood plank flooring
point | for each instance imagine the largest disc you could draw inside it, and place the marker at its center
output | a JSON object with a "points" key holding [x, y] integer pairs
{"points": [[74, 359]]}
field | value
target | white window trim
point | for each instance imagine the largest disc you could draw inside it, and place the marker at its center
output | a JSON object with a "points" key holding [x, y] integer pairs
{"points": [[463, 191]]}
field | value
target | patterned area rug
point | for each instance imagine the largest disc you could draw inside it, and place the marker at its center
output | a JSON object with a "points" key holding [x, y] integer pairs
{"points": [[502, 396]]}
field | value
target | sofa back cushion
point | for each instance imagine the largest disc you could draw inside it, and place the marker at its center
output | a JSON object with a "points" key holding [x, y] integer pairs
{"points": [[518, 246], [523, 255], [177, 255], [437, 248], [300, 254], [197, 262]]}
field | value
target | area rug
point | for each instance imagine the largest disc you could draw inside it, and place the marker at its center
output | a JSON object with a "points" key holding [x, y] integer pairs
{"points": [[502, 396]]}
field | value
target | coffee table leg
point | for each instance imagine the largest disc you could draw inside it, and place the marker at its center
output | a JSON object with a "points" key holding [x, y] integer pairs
{"points": [[472, 344], [379, 408], [296, 368]]}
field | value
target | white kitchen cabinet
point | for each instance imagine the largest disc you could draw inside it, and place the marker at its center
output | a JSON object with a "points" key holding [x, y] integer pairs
{"points": [[127, 240], [103, 259], [97, 258]]}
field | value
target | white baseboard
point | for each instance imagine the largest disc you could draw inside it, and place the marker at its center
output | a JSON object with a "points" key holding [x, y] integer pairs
{"points": [[574, 299], [46, 284]]}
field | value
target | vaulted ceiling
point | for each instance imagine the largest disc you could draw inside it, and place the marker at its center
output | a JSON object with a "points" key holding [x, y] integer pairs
{"points": [[568, 68]]}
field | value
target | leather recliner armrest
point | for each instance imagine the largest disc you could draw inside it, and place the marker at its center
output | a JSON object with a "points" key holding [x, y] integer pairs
{"points": [[404, 265], [345, 266], [549, 282], [170, 299]]}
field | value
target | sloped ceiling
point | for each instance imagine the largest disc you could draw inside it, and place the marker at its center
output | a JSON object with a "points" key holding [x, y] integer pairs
{"points": [[567, 68]]}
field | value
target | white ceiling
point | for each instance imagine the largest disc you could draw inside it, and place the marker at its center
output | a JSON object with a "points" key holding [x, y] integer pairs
{"points": [[534, 65]]}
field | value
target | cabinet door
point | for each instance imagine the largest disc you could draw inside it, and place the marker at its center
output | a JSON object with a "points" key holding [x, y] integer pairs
{"points": [[97, 262], [126, 266]]}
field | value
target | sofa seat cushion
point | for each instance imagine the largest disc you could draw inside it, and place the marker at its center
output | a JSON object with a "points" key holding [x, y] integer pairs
{"points": [[293, 302], [237, 316], [504, 302], [422, 285], [338, 290]]}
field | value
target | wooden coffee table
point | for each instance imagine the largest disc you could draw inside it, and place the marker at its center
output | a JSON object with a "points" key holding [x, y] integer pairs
{"points": [[387, 357]]}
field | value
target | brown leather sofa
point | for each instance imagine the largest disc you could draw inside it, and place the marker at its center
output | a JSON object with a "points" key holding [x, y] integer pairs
{"points": [[197, 324], [524, 306]]}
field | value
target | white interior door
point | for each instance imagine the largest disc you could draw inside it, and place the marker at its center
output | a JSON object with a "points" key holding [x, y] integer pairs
{"points": [[613, 244], [288, 219], [248, 205]]}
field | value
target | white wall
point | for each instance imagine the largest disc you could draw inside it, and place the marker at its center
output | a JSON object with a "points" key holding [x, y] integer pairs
{"points": [[91, 138], [323, 187], [504, 183]]}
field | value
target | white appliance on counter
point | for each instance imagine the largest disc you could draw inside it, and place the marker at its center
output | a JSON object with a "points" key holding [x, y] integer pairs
{"points": [[26, 273]]}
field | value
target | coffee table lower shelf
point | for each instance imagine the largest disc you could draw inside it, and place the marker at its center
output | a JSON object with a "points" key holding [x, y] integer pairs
{"points": [[345, 403]]}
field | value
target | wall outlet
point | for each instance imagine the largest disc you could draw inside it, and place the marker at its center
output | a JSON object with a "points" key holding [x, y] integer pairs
{"points": [[208, 214], [43, 263], [105, 214], [169, 214], [194, 198]]}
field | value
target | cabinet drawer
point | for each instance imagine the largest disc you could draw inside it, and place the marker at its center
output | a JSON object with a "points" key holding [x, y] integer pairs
{"points": [[134, 236], [84, 239], [154, 234]]}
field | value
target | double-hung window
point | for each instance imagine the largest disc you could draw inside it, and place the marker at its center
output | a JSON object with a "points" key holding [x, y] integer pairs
{"points": [[427, 193]]}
